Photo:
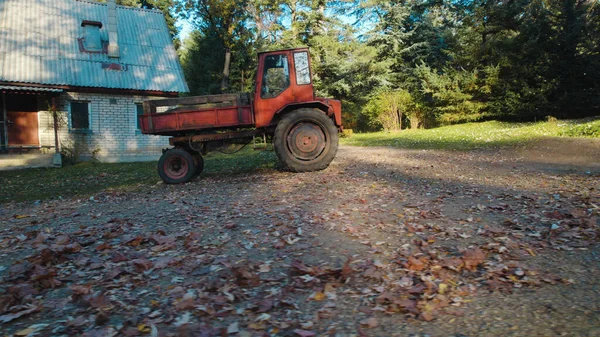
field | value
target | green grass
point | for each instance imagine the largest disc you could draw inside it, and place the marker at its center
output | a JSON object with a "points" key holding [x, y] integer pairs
{"points": [[476, 135], [86, 179]]}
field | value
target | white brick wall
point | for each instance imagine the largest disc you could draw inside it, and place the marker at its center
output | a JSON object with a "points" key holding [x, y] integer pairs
{"points": [[113, 127]]}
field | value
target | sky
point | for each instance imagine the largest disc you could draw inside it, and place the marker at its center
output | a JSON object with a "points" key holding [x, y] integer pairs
{"points": [[185, 28]]}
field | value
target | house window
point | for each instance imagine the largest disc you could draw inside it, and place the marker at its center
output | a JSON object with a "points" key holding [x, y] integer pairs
{"points": [[139, 110], [92, 42], [80, 116]]}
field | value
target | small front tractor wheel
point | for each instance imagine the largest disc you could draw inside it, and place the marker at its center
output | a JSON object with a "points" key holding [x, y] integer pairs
{"points": [[306, 140], [176, 166]]}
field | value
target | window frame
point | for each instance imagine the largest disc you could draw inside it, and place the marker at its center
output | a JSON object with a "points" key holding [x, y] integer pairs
{"points": [[265, 69], [89, 115], [87, 33], [92, 34], [307, 64], [138, 125]]}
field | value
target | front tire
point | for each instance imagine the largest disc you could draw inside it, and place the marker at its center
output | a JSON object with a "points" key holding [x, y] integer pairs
{"points": [[306, 140], [176, 166]]}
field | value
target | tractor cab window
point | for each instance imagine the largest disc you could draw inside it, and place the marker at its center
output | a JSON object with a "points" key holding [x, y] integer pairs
{"points": [[276, 76], [302, 68]]}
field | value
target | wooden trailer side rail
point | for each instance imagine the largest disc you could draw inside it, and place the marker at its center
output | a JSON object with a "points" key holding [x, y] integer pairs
{"points": [[196, 113]]}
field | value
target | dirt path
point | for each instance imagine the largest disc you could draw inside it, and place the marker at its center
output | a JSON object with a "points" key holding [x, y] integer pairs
{"points": [[386, 242]]}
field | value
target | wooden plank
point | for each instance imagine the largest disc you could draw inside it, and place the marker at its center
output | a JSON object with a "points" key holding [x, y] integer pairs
{"points": [[149, 110], [195, 100], [239, 109]]}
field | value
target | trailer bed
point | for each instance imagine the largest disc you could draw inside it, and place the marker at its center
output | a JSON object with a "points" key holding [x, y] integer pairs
{"points": [[193, 114]]}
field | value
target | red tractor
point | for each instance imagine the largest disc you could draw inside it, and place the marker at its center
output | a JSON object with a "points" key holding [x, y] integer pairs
{"points": [[303, 128]]}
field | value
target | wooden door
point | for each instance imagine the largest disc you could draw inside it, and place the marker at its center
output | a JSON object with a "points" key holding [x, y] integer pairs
{"points": [[22, 128], [22, 120]]}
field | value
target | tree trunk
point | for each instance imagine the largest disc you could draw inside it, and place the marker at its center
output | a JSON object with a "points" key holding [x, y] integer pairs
{"points": [[225, 80]]}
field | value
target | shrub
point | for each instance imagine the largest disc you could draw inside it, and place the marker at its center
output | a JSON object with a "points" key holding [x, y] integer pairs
{"points": [[389, 108], [78, 148], [590, 129]]}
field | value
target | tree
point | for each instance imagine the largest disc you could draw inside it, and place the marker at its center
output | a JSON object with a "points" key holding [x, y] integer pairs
{"points": [[458, 60], [221, 26], [347, 69]]}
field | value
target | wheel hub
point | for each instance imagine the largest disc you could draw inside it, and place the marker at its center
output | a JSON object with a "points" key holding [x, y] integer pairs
{"points": [[306, 141], [176, 167]]}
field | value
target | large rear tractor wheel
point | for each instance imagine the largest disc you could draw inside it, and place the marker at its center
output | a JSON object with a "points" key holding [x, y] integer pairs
{"points": [[176, 166], [306, 140]]}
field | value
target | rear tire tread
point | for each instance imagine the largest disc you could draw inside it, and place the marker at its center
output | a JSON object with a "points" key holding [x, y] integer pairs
{"points": [[184, 156], [288, 122]]}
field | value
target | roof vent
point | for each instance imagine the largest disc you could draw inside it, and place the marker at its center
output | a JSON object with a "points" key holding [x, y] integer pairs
{"points": [[113, 39]]}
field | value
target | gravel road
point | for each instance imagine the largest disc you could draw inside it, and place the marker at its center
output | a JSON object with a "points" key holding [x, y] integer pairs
{"points": [[385, 242]]}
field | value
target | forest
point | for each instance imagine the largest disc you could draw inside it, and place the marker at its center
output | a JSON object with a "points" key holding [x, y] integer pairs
{"points": [[407, 64]]}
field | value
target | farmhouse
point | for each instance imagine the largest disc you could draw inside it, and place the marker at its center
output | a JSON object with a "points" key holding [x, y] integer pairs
{"points": [[73, 75]]}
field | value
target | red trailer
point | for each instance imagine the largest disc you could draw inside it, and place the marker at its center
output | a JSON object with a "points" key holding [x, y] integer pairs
{"points": [[283, 108]]}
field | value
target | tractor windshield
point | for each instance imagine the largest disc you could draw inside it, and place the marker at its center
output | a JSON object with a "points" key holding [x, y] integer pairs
{"points": [[276, 76]]}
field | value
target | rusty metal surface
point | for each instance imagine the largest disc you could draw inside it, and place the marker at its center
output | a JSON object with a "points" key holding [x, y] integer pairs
{"points": [[306, 141], [335, 109], [214, 136]]}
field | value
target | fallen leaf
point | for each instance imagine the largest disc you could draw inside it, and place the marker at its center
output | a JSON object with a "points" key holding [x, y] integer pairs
{"points": [[25, 332], [141, 264], [245, 277], [143, 328], [416, 264], [161, 239], [264, 268], [319, 296], [9, 317], [263, 317], [370, 322], [184, 319], [233, 328], [97, 301], [473, 258], [427, 316], [304, 333], [80, 290], [257, 326]]}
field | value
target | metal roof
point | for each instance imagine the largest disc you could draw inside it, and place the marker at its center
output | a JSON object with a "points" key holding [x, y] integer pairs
{"points": [[39, 89], [39, 44]]}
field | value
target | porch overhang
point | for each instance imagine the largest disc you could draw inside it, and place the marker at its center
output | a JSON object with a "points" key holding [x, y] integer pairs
{"points": [[13, 89]]}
